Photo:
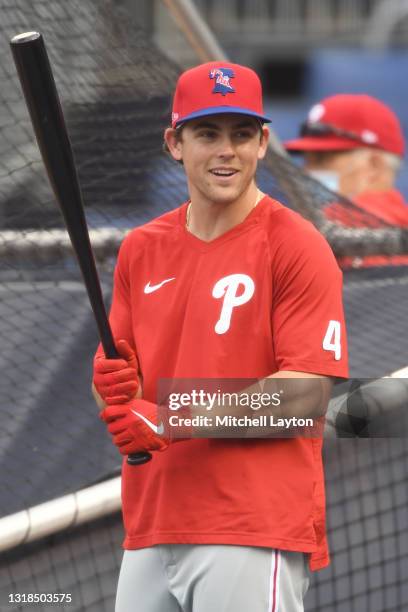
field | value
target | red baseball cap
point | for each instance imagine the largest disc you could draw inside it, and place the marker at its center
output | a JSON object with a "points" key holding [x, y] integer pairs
{"points": [[217, 87], [349, 121]]}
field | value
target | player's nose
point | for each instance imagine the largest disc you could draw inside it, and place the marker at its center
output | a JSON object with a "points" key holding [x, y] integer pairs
{"points": [[226, 148]]}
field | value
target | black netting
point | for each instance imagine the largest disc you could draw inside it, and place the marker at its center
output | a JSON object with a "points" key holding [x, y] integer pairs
{"points": [[115, 86], [83, 563], [367, 500]]}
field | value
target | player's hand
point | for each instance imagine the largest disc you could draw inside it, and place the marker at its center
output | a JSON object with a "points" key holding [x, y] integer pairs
{"points": [[134, 427], [116, 380]]}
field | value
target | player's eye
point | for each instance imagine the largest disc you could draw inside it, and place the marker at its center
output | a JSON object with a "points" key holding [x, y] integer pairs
{"points": [[207, 134], [244, 134]]}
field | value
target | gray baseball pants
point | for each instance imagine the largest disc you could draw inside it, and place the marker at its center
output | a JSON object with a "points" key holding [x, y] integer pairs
{"points": [[208, 578]]}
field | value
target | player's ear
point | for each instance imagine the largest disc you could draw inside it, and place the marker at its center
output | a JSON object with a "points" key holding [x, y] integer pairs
{"points": [[263, 142], [174, 144]]}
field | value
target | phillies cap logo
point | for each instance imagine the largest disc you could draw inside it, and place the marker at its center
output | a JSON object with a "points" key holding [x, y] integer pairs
{"points": [[222, 78]]}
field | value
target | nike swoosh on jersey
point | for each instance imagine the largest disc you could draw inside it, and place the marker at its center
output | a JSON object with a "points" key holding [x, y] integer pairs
{"points": [[150, 288], [158, 429]]}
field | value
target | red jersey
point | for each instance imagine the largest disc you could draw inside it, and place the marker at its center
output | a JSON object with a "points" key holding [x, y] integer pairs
{"points": [[254, 492], [388, 206]]}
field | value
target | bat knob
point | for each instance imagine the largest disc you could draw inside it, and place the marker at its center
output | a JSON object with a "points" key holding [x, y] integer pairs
{"points": [[138, 458], [25, 37]]}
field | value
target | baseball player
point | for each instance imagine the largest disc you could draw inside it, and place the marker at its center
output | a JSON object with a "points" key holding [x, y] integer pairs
{"points": [[354, 144], [231, 284]]}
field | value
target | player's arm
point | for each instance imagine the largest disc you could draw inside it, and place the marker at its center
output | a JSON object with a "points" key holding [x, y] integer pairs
{"points": [[307, 394], [279, 398], [308, 321], [308, 318]]}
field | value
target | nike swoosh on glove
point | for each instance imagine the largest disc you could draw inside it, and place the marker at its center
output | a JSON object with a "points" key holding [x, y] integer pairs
{"points": [[134, 427], [116, 380]]}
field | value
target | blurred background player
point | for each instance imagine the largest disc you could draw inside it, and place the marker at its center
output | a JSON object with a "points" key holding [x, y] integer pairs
{"points": [[225, 286], [354, 145]]}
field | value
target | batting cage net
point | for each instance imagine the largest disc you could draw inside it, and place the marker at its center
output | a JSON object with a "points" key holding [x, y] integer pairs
{"points": [[115, 86]]}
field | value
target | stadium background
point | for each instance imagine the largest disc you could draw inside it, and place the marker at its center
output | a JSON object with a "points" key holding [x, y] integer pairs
{"points": [[115, 65]]}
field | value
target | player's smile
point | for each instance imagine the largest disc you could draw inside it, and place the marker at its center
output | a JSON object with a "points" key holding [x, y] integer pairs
{"points": [[223, 174]]}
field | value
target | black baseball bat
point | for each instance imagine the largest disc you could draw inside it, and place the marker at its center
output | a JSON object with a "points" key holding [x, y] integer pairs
{"points": [[40, 92]]}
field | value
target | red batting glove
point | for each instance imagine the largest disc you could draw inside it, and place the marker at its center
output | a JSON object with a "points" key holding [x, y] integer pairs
{"points": [[134, 427], [116, 380]]}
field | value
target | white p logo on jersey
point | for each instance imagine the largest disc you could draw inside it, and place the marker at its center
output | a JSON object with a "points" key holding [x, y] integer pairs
{"points": [[227, 288]]}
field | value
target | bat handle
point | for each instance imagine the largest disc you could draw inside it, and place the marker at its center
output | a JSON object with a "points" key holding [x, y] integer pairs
{"points": [[111, 352]]}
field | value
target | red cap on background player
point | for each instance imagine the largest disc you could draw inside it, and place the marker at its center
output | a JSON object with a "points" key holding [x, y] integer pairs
{"points": [[217, 87], [349, 121]]}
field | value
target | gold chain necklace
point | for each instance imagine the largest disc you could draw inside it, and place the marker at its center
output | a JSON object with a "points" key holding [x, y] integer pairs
{"points": [[188, 215], [259, 197]]}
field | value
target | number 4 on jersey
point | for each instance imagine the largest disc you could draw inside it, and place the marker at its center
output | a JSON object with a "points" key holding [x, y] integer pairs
{"points": [[331, 341]]}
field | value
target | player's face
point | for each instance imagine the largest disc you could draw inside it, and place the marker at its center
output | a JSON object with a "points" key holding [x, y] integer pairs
{"points": [[220, 155]]}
